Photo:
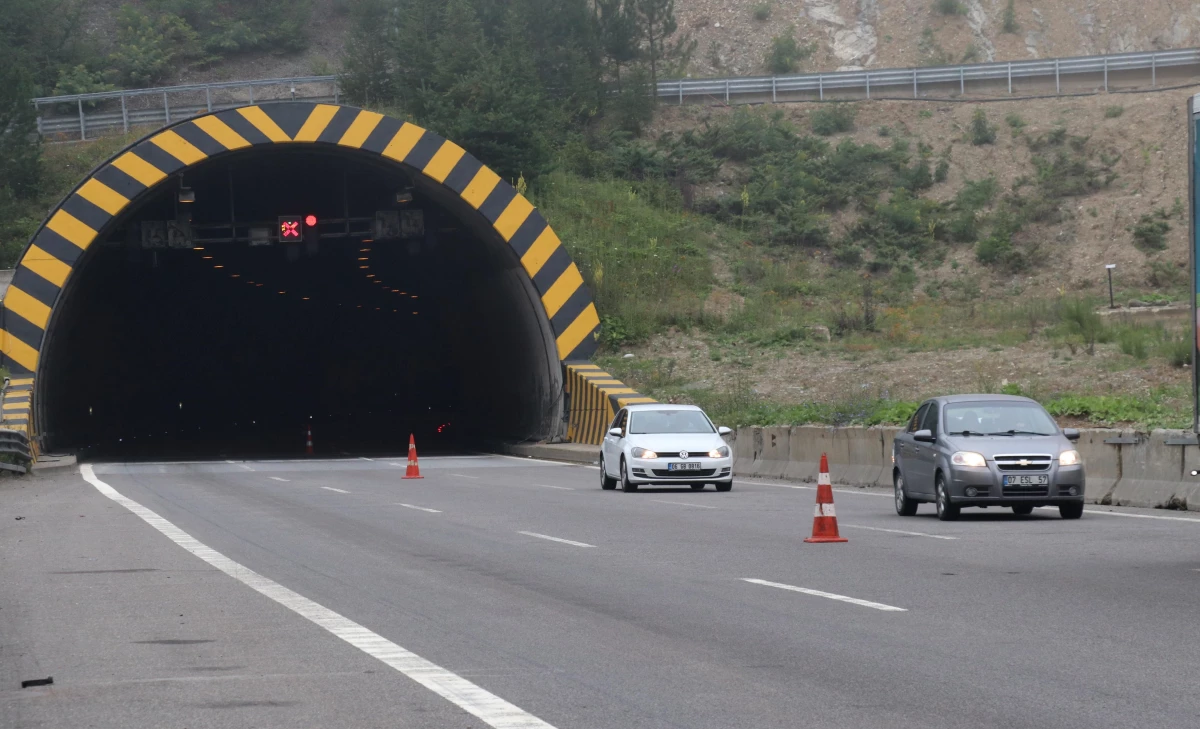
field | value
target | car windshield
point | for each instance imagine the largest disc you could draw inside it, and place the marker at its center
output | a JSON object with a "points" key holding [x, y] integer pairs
{"points": [[669, 421], [998, 418]]}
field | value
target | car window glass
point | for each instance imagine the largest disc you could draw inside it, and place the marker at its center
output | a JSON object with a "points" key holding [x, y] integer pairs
{"points": [[616, 423], [670, 421], [915, 424], [930, 422], [1023, 418], [622, 418]]}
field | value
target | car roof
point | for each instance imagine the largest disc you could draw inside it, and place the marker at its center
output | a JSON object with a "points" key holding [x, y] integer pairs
{"points": [[658, 406], [947, 399]]}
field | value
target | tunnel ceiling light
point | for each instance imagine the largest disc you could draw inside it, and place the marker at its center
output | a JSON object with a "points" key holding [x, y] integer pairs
{"points": [[306, 298], [208, 258], [364, 259], [364, 250], [368, 240], [415, 296], [198, 248], [283, 292], [235, 275], [364, 266], [257, 285], [218, 267]]}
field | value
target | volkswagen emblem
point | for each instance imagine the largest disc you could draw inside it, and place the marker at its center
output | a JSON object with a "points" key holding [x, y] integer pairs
{"points": [[683, 454]]}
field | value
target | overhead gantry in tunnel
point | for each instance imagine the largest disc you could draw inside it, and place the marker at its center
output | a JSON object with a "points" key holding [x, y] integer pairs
{"points": [[228, 281]]}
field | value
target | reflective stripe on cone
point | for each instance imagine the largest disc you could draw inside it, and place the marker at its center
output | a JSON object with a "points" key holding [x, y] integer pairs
{"points": [[825, 527]]}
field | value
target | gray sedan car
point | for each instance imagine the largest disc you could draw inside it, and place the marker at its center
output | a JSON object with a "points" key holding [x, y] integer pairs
{"points": [[986, 450]]}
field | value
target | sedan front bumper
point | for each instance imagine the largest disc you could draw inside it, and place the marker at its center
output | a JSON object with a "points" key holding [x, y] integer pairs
{"points": [[985, 486], [656, 470]]}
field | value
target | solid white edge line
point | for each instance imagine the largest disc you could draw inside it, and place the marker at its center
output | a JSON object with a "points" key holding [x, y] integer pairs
{"points": [[462, 475], [556, 539], [330, 488], [681, 503], [420, 508], [856, 492], [830, 595], [550, 486], [276, 478], [1131, 516], [897, 531], [489, 708], [568, 464]]}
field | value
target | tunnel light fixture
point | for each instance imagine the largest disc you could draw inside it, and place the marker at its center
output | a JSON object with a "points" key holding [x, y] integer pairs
{"points": [[257, 285], [187, 195], [364, 267], [306, 298], [364, 259], [368, 240], [198, 248], [235, 275], [218, 267], [283, 292], [208, 258], [404, 196], [370, 275], [415, 296]]}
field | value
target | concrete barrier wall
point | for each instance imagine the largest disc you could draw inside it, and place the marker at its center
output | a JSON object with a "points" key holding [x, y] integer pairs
{"points": [[1124, 467]]}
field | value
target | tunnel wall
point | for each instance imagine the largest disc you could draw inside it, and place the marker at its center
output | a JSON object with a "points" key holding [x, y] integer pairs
{"points": [[595, 398], [50, 261]]}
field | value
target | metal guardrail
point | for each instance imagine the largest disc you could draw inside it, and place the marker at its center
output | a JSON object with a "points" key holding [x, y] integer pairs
{"points": [[914, 78], [15, 443], [77, 116]]}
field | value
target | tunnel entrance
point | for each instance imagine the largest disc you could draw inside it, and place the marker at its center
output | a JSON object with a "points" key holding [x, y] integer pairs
{"points": [[254, 290]]}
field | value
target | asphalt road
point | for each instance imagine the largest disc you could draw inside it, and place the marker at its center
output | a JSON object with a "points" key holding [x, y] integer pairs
{"points": [[512, 593]]}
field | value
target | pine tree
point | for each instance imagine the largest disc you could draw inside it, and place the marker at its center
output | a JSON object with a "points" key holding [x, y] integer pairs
{"points": [[617, 24], [368, 66], [656, 19]]}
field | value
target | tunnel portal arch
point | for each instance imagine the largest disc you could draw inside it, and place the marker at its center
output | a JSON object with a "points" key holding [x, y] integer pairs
{"points": [[58, 253]]}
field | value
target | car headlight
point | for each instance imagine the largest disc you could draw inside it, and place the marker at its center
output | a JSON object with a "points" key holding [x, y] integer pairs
{"points": [[721, 452], [968, 459], [1068, 458], [643, 453]]}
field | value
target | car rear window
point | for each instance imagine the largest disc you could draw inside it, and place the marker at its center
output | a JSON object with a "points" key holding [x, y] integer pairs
{"points": [[669, 421], [998, 418]]}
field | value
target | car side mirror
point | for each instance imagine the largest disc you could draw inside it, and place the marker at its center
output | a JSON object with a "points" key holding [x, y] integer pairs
{"points": [[723, 430], [1071, 434], [615, 432], [924, 436]]}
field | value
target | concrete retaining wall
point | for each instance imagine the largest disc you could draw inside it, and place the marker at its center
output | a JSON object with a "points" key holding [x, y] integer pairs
{"points": [[1124, 467]]}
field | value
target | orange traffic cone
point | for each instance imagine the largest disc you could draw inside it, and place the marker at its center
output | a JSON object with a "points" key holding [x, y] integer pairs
{"points": [[412, 471], [308, 448], [824, 520]]}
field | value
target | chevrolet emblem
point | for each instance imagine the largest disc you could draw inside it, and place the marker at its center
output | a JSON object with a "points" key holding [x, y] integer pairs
{"points": [[1024, 462]]}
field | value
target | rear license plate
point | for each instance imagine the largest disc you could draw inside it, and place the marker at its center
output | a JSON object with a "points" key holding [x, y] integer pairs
{"points": [[683, 466], [1026, 480]]}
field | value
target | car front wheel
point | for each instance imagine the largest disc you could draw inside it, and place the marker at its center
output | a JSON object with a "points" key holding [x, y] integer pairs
{"points": [[1071, 511], [1022, 510], [625, 483], [697, 487], [904, 505], [945, 510], [727, 486], [606, 482]]}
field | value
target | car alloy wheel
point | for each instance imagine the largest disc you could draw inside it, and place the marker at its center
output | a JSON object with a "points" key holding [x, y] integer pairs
{"points": [[625, 484], [904, 505], [945, 510], [606, 482]]}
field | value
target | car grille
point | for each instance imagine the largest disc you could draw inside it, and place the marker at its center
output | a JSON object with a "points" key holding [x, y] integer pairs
{"points": [[1010, 490], [691, 475], [1023, 464]]}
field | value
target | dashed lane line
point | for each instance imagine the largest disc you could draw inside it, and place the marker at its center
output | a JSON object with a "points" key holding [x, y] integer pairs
{"points": [[1131, 516], [463, 475], [420, 508], [330, 488], [829, 595], [276, 478], [897, 531], [552, 486], [856, 492], [489, 708], [557, 539], [682, 503]]}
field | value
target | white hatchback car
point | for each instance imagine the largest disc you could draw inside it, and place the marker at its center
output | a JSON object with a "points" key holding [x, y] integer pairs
{"points": [[665, 444]]}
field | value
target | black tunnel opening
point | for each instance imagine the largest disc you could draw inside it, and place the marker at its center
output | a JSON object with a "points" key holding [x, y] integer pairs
{"points": [[217, 341]]}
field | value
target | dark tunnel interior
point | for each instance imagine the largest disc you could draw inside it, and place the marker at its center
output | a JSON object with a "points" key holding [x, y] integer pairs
{"points": [[189, 330]]}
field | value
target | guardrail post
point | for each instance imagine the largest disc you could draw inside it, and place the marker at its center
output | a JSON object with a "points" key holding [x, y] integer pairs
{"points": [[773, 90], [1106, 74], [37, 109], [726, 91], [124, 115], [1010, 78], [681, 93], [962, 82], [1153, 70], [1057, 86], [915, 94], [166, 107], [82, 124], [821, 86], [868, 84], [250, 87], [208, 98]]}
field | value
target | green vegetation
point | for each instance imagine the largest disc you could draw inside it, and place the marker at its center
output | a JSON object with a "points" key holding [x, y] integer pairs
{"points": [[1008, 22], [1112, 112], [785, 54], [949, 7], [762, 11], [833, 119], [981, 131]]}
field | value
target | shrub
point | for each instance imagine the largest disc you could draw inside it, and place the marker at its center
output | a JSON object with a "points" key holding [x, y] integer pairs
{"points": [[1150, 232], [833, 119], [1015, 121], [1133, 343], [942, 170], [1082, 321], [762, 11], [149, 48], [949, 7], [1112, 112], [993, 249], [1177, 350], [785, 54], [1009, 19], [981, 132]]}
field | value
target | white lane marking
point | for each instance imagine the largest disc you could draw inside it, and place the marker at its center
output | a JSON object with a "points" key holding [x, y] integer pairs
{"points": [[330, 488], [544, 460], [556, 539], [830, 595], [228, 461], [364, 458], [276, 478], [551, 486], [242, 465], [491, 709], [461, 475], [897, 531], [856, 492], [682, 503], [420, 508], [1131, 516]]}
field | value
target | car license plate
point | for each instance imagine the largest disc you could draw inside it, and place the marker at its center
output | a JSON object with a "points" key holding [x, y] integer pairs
{"points": [[1026, 480], [683, 466]]}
